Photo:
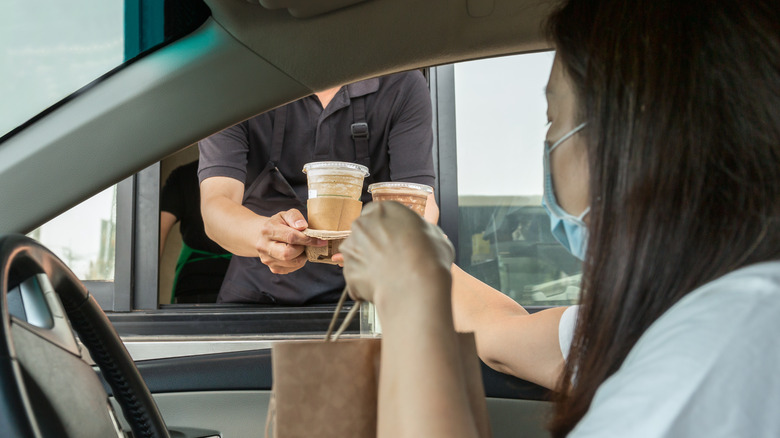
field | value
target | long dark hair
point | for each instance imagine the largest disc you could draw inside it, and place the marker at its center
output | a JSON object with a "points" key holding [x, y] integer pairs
{"points": [[682, 100]]}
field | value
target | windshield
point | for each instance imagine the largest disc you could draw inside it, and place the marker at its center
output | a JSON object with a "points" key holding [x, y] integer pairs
{"points": [[51, 48]]}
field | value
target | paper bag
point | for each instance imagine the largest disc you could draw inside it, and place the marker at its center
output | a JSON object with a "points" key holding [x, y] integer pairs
{"points": [[475, 389], [329, 389]]}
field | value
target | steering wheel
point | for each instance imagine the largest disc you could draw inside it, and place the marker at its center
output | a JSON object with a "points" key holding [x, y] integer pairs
{"points": [[46, 388]]}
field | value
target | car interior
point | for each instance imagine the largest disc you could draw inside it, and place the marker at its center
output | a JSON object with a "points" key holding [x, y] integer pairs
{"points": [[241, 58]]}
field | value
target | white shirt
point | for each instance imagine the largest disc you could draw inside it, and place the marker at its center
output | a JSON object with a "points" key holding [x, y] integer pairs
{"points": [[708, 367]]}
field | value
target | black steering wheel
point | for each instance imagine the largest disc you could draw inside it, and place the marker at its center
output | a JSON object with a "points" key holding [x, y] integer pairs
{"points": [[46, 389]]}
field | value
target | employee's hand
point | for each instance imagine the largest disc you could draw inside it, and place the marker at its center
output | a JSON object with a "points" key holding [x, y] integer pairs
{"points": [[281, 243], [394, 255]]}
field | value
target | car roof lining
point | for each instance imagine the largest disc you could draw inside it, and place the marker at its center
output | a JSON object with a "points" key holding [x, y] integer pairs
{"points": [[208, 80], [306, 8], [334, 50]]}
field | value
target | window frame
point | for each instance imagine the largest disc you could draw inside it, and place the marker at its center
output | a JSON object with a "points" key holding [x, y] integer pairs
{"points": [[445, 150], [137, 196], [135, 251]]}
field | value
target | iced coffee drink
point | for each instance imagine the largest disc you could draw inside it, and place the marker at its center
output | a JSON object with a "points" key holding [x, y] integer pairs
{"points": [[335, 189], [412, 195], [335, 179]]}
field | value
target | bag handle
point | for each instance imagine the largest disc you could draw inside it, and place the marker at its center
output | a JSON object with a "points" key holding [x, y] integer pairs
{"points": [[347, 319]]}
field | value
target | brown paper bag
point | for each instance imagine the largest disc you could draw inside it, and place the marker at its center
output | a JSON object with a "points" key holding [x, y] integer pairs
{"points": [[475, 389], [329, 389]]}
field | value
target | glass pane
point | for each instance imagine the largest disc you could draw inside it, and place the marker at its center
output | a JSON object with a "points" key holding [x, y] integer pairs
{"points": [[504, 233], [84, 237], [51, 48]]}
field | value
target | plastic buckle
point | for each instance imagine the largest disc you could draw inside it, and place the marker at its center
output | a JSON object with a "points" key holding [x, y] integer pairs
{"points": [[359, 130]]}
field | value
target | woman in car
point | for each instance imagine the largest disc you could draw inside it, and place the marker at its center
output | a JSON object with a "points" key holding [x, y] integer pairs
{"points": [[663, 155]]}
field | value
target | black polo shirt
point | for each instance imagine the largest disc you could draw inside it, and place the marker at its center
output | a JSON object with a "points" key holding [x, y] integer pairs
{"points": [[180, 196], [398, 114], [201, 277]]}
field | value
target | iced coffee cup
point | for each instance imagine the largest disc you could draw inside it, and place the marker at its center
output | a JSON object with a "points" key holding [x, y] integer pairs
{"points": [[335, 189], [334, 194], [412, 195], [335, 179]]}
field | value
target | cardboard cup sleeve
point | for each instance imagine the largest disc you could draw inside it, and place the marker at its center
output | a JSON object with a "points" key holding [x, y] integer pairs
{"points": [[332, 213], [329, 219], [324, 254]]}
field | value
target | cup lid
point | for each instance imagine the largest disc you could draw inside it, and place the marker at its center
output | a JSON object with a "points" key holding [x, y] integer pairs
{"points": [[400, 185], [336, 165]]}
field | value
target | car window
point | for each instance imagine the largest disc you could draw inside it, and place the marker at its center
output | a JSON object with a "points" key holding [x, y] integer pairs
{"points": [[44, 57], [52, 51], [504, 234], [84, 237]]}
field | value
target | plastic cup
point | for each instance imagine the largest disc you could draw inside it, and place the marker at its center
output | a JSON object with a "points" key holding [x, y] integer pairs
{"points": [[412, 195], [335, 179]]}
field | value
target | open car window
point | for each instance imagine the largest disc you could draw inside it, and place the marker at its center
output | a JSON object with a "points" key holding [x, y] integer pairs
{"points": [[504, 236], [500, 229]]}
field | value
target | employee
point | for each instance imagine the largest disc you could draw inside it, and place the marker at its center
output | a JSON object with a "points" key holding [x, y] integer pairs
{"points": [[202, 263], [253, 190]]}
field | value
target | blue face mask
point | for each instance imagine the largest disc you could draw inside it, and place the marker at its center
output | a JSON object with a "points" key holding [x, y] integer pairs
{"points": [[570, 231]]}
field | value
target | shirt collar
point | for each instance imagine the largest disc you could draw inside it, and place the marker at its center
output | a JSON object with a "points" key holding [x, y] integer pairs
{"points": [[362, 88], [343, 97]]}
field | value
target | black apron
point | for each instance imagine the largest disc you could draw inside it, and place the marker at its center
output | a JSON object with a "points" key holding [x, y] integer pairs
{"points": [[248, 280]]}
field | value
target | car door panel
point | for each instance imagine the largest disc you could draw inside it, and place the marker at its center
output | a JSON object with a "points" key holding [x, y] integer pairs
{"points": [[251, 370], [243, 413], [229, 393]]}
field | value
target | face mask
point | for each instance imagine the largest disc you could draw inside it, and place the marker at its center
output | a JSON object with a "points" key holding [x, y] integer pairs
{"points": [[570, 231]]}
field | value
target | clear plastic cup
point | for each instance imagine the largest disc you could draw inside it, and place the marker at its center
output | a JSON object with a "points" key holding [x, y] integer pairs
{"points": [[335, 179], [412, 195]]}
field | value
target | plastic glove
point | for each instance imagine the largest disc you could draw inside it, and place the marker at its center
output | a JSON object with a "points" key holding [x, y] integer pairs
{"points": [[393, 254]]}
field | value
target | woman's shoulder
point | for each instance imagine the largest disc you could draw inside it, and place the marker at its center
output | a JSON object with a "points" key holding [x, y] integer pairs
{"points": [[733, 309], [724, 301], [712, 355]]}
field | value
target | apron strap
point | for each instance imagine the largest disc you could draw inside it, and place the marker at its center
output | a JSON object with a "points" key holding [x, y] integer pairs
{"points": [[280, 119], [360, 132]]}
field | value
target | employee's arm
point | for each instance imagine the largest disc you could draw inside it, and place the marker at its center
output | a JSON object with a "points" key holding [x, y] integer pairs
{"points": [[277, 240], [167, 221], [509, 339]]}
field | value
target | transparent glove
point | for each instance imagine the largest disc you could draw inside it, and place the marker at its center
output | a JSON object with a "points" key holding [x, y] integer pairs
{"points": [[393, 254]]}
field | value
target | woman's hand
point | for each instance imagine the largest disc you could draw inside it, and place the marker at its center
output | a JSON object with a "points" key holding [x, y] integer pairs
{"points": [[392, 251]]}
